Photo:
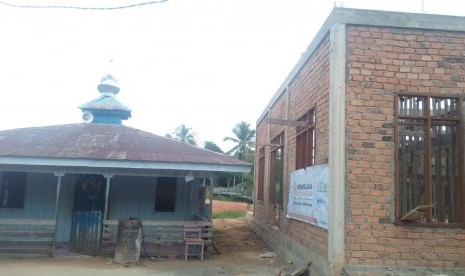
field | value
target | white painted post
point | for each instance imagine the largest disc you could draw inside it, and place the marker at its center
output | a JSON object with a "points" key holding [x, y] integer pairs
{"points": [[57, 199], [107, 195]]}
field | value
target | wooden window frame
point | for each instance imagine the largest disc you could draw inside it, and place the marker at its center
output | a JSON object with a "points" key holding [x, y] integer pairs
{"points": [[277, 144], [305, 139], [425, 119]]}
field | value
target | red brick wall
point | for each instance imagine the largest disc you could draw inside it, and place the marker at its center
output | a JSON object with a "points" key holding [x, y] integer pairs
{"points": [[309, 89], [380, 62], [261, 140], [278, 110]]}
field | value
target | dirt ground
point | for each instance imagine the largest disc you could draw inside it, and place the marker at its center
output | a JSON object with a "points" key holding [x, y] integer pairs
{"points": [[219, 206], [239, 248]]}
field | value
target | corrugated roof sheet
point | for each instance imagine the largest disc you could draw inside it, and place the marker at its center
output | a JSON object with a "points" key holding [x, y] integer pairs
{"points": [[105, 102], [104, 141]]}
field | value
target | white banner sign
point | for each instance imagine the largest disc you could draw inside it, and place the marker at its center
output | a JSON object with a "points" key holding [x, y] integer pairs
{"points": [[308, 195]]}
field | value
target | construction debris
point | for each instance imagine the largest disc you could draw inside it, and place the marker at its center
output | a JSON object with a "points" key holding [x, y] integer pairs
{"points": [[268, 255], [303, 270]]}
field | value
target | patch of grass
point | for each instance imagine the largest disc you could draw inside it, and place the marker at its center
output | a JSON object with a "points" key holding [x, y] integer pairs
{"points": [[229, 214], [223, 198], [216, 231], [227, 198]]}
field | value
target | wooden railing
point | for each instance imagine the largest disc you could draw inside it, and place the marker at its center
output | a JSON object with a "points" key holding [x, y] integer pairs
{"points": [[26, 236], [159, 238]]}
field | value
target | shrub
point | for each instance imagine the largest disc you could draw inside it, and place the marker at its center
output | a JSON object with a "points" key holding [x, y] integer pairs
{"points": [[229, 214]]}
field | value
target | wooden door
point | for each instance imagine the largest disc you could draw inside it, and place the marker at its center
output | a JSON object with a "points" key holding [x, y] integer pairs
{"points": [[89, 205], [86, 232]]}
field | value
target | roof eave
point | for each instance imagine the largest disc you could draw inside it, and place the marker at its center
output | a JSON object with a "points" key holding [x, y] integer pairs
{"points": [[122, 164]]}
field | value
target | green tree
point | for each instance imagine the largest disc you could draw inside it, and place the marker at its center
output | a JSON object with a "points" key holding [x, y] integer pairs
{"points": [[209, 145], [184, 134], [244, 139]]}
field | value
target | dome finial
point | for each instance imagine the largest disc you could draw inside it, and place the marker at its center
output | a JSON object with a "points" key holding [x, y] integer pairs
{"points": [[108, 84], [106, 108]]}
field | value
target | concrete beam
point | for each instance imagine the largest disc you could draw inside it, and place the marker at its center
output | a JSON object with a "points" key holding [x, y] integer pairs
{"points": [[369, 18]]}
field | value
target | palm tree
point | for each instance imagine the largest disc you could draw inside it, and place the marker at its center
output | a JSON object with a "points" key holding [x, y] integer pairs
{"points": [[244, 137], [184, 134], [209, 145]]}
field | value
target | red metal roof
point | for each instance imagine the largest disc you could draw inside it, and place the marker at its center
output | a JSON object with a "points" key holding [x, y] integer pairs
{"points": [[104, 142]]}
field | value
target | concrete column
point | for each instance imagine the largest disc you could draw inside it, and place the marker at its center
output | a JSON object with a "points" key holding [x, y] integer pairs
{"points": [[108, 177], [266, 179], [337, 165], [255, 175], [286, 173]]}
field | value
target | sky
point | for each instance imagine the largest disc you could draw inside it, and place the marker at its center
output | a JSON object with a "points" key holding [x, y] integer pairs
{"points": [[208, 64]]}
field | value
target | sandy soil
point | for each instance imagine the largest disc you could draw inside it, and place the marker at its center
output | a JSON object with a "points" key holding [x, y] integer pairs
{"points": [[219, 206], [239, 255]]}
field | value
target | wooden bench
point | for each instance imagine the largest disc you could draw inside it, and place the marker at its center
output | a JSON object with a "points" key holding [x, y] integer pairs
{"points": [[27, 236], [160, 238]]}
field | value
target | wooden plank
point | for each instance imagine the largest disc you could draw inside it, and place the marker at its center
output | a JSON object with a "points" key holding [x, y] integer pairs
{"points": [[160, 237], [403, 175], [152, 237], [152, 248], [16, 234], [207, 235], [25, 244], [86, 237], [106, 244], [150, 223], [451, 168], [26, 251], [416, 213], [57, 201], [283, 122], [416, 151], [26, 236], [109, 236], [164, 242], [27, 228], [164, 235], [49, 222]]}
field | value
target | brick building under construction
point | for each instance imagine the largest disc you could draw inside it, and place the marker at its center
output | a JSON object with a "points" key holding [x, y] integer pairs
{"points": [[359, 158]]}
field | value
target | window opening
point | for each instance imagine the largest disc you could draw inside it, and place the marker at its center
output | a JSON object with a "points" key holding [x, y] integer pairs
{"points": [[428, 178], [12, 190], [165, 194], [305, 141], [276, 175]]}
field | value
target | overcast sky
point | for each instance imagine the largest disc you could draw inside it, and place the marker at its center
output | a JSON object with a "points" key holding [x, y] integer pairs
{"points": [[208, 64]]}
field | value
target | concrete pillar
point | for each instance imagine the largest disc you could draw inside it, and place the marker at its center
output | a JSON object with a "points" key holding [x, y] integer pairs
{"points": [[286, 172], [337, 165], [267, 184]]}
